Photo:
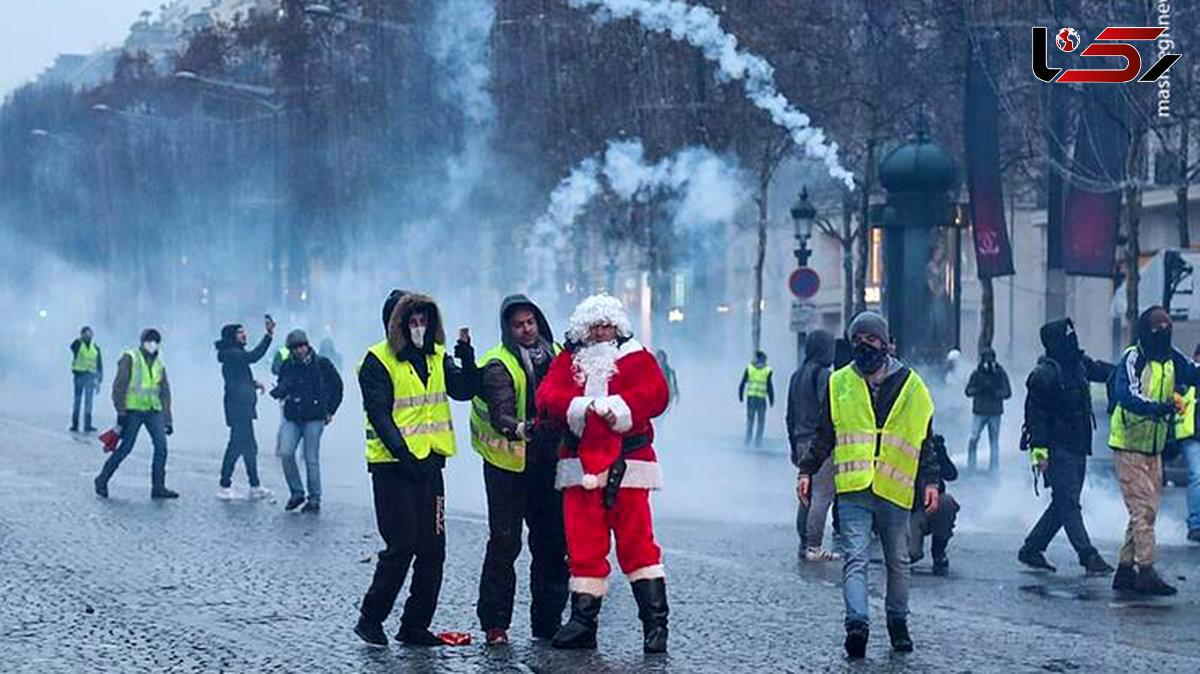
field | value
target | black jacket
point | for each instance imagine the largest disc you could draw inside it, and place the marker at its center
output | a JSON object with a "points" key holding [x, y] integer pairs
{"points": [[807, 390], [1058, 402], [241, 399], [462, 383], [311, 389], [989, 387]]}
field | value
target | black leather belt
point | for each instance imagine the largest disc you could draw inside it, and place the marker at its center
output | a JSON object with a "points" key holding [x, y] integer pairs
{"points": [[629, 444]]}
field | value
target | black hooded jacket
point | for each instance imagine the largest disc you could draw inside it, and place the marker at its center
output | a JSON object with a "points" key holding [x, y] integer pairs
{"points": [[241, 400], [376, 384], [1058, 405], [807, 390]]}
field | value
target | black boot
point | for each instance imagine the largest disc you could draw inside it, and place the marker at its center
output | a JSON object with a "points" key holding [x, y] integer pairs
{"points": [[1125, 578], [898, 631], [370, 632], [1035, 559], [1149, 582], [580, 630], [410, 636], [101, 486], [651, 596], [1094, 564], [161, 492], [856, 640]]}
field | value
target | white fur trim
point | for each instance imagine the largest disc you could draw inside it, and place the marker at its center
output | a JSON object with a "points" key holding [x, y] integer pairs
{"points": [[624, 415], [596, 587], [577, 414], [630, 345], [648, 573], [638, 475]]}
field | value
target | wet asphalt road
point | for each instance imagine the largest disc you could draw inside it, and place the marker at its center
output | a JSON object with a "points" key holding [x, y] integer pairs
{"points": [[199, 585]]}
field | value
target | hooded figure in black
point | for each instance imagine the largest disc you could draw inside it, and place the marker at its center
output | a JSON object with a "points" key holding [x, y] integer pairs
{"points": [[241, 400], [409, 491], [1059, 423], [807, 391], [520, 491]]}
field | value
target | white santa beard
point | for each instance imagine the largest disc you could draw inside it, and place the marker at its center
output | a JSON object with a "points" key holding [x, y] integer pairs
{"points": [[594, 366]]}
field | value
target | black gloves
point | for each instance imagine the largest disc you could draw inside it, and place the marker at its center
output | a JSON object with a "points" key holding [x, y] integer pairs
{"points": [[465, 353], [170, 429]]}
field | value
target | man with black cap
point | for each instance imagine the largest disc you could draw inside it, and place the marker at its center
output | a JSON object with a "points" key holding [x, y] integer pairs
{"points": [[520, 454], [241, 404], [142, 397], [1142, 424], [407, 382], [1058, 424], [876, 426]]}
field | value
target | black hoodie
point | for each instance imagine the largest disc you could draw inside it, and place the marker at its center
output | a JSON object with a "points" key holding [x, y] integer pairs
{"points": [[807, 390], [240, 398], [1058, 406], [497, 388]]}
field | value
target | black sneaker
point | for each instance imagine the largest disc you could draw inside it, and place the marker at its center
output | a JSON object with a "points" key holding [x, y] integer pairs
{"points": [[163, 492], [415, 637], [1150, 583], [1035, 560], [294, 502], [857, 635], [941, 567], [1125, 578], [1095, 565], [89, 429], [101, 487], [898, 631], [370, 632], [73, 429], [311, 507]]}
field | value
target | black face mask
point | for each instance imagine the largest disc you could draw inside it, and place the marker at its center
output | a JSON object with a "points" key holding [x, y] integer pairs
{"points": [[868, 358], [1157, 345]]}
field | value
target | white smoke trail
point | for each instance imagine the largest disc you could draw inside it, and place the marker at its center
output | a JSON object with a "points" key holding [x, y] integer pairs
{"points": [[701, 27]]}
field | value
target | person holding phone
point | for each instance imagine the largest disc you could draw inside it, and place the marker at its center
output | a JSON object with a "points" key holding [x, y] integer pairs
{"points": [[241, 405]]}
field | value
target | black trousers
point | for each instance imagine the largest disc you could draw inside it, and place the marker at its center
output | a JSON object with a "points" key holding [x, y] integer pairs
{"points": [[411, 516], [241, 444], [756, 418], [1065, 474], [513, 498], [940, 527]]}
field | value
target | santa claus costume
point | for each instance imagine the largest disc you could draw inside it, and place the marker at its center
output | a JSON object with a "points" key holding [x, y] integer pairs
{"points": [[607, 392]]}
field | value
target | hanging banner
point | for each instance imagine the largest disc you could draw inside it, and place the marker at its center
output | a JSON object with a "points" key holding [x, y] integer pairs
{"points": [[993, 251], [1093, 209]]}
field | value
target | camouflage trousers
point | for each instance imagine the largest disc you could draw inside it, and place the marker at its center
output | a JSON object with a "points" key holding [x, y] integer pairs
{"points": [[1141, 477]]}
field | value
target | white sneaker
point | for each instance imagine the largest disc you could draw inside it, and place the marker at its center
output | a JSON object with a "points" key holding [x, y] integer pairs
{"points": [[226, 494], [257, 493]]}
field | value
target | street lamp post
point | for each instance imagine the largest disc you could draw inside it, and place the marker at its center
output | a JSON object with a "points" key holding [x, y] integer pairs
{"points": [[803, 217]]}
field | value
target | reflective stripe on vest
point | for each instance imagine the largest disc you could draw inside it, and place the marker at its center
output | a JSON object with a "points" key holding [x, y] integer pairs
{"points": [[756, 381], [492, 445], [145, 383], [1135, 433], [420, 411], [87, 357], [1185, 424], [868, 456]]}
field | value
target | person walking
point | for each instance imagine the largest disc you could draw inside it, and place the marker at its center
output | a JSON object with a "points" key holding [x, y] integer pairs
{"points": [[1189, 447], [241, 403], [757, 391], [876, 426], [142, 398], [311, 391], [1059, 423], [607, 388], [407, 381], [520, 455], [1142, 423], [669, 373], [87, 369], [987, 388], [807, 392]]}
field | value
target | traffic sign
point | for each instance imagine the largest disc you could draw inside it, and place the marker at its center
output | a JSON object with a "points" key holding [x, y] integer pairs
{"points": [[804, 282]]}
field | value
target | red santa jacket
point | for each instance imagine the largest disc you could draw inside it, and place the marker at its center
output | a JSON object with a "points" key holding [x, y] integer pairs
{"points": [[635, 392]]}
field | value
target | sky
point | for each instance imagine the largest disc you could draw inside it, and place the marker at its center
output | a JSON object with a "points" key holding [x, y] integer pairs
{"points": [[33, 32]]}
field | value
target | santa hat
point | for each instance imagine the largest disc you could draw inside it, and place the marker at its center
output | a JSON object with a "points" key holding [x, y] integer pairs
{"points": [[598, 309]]}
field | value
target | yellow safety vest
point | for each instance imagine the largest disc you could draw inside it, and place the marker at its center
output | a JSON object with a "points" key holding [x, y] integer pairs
{"points": [[87, 356], [1185, 424], [1135, 433], [883, 458], [756, 381], [492, 445], [145, 382], [420, 411]]}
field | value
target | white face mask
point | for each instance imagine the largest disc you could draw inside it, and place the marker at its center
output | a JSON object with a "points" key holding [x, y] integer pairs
{"points": [[418, 336], [150, 347]]}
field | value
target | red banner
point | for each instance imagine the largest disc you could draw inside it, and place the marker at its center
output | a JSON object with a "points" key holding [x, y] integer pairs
{"points": [[993, 252], [1093, 207]]}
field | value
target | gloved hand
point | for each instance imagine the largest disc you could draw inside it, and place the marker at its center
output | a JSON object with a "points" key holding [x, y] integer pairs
{"points": [[465, 353], [1039, 458], [170, 429], [1164, 409]]}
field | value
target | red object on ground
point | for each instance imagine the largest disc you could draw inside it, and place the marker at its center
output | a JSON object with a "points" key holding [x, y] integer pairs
{"points": [[455, 638], [110, 438]]}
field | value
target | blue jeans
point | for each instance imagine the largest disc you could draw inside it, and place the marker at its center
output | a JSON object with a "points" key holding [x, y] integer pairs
{"points": [[156, 426], [857, 512], [1191, 454], [992, 423], [86, 384], [290, 435]]}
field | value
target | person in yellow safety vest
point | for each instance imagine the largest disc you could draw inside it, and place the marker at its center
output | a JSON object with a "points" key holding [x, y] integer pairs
{"points": [[142, 397], [87, 367], [1141, 426], [407, 382], [876, 425], [520, 456], [757, 390], [1189, 447]]}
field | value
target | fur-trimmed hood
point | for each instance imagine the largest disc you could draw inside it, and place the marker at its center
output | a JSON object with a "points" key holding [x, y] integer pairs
{"points": [[397, 329]]}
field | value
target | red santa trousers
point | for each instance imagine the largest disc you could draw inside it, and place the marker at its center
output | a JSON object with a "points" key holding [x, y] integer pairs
{"points": [[588, 527]]}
